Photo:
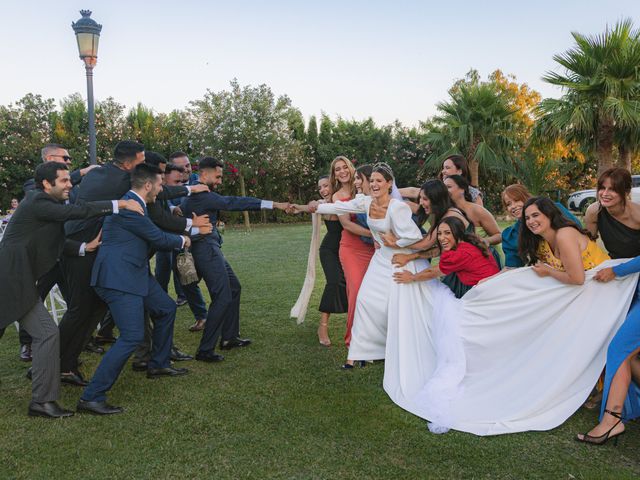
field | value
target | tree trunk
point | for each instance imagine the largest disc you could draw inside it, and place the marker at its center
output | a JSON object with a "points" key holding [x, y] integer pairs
{"points": [[604, 152], [624, 160], [243, 192], [474, 166]]}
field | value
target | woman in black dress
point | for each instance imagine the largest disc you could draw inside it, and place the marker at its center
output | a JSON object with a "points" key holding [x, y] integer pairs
{"points": [[334, 297]]}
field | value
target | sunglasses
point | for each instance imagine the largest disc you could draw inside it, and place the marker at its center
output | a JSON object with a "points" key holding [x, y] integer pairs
{"points": [[66, 158]]}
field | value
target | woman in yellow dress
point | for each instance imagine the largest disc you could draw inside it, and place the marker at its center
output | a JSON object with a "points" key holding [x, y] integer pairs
{"points": [[554, 245]]}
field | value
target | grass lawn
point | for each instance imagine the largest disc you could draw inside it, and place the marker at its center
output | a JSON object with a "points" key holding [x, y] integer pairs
{"points": [[280, 408]]}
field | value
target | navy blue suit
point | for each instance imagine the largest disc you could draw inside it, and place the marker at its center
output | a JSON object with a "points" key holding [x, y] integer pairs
{"points": [[223, 317], [121, 277]]}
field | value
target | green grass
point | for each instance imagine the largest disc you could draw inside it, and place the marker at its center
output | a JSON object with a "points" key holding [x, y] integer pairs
{"points": [[280, 408]]}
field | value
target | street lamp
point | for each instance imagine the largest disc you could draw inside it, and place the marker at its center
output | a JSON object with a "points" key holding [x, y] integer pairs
{"points": [[88, 34]]}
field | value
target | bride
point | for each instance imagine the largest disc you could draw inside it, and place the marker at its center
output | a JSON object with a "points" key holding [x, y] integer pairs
{"points": [[378, 292], [520, 351]]}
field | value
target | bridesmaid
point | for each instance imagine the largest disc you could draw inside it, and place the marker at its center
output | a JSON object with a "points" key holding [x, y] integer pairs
{"points": [[457, 165], [554, 246], [621, 396], [334, 296], [513, 199], [459, 190], [614, 217], [355, 254], [465, 258]]}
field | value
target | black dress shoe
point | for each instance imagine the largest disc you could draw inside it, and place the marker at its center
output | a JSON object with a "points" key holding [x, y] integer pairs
{"points": [[166, 372], [93, 348], [25, 353], [209, 356], [73, 378], [234, 343], [48, 410], [29, 374], [97, 408], [180, 301], [140, 366], [178, 356], [100, 340]]}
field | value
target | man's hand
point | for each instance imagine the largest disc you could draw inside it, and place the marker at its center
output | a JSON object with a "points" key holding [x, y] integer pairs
{"points": [[206, 229], [177, 211], [282, 205], [404, 276], [85, 170], [401, 259], [187, 241], [94, 244], [605, 275], [131, 205], [200, 220], [199, 188]]}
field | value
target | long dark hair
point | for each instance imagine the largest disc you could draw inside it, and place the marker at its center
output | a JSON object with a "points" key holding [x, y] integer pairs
{"points": [[462, 183], [441, 202], [458, 232], [528, 242], [461, 164]]}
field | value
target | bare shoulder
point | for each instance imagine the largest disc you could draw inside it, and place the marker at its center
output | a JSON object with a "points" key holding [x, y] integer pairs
{"points": [[635, 212], [569, 234], [592, 212]]}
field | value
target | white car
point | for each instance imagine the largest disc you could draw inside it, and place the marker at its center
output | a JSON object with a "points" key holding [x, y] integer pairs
{"points": [[580, 200]]}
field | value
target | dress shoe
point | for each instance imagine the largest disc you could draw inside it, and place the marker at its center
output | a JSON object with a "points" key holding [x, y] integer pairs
{"points": [[25, 353], [180, 301], [140, 366], [97, 408], [178, 356], [209, 356], [73, 378], [100, 340], [29, 374], [166, 372], [234, 343], [93, 348], [198, 326], [48, 410]]}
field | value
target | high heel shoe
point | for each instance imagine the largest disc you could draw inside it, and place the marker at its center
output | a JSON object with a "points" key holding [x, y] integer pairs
{"points": [[351, 366], [326, 342], [605, 437]]}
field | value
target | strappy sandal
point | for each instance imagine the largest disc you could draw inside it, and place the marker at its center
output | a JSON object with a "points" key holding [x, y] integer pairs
{"points": [[604, 438]]}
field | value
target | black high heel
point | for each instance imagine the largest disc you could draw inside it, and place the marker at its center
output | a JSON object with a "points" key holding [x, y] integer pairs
{"points": [[605, 437], [348, 366]]}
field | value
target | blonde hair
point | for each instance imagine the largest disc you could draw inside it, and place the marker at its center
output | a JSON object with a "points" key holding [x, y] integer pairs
{"points": [[335, 184]]}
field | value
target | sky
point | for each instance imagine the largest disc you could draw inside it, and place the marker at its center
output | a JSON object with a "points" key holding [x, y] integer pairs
{"points": [[382, 59]]}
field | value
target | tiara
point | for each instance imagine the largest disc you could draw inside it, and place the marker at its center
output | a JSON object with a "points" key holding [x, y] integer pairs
{"points": [[384, 167]]}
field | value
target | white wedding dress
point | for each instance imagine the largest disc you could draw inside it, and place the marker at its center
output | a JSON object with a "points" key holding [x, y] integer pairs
{"points": [[378, 289], [516, 353]]}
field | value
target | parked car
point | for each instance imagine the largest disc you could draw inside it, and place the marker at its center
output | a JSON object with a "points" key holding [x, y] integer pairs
{"points": [[580, 200]]}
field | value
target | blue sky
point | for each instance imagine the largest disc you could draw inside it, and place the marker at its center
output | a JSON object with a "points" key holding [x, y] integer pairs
{"points": [[358, 59]]}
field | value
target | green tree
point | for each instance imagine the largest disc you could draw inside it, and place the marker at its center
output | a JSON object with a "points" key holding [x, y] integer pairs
{"points": [[70, 128], [477, 122], [111, 127], [312, 139], [601, 101]]}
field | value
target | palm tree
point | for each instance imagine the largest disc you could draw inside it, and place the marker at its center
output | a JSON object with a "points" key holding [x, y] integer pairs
{"points": [[601, 103], [476, 123]]}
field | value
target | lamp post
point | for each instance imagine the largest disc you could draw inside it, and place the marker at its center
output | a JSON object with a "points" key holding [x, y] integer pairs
{"points": [[88, 34]]}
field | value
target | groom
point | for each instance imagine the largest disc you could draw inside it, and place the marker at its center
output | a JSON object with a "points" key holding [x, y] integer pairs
{"points": [[122, 279]]}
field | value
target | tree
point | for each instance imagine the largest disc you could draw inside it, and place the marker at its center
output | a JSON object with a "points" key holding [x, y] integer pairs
{"points": [[477, 122], [601, 102], [70, 128], [248, 128], [111, 127], [312, 138]]}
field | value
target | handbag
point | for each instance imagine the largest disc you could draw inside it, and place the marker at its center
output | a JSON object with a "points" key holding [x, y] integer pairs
{"points": [[186, 268]]}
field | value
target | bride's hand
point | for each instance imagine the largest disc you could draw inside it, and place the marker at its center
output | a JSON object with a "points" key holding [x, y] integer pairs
{"points": [[404, 276], [401, 259]]}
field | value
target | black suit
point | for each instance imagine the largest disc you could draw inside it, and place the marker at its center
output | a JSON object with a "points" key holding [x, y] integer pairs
{"points": [[30, 247], [86, 309]]}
